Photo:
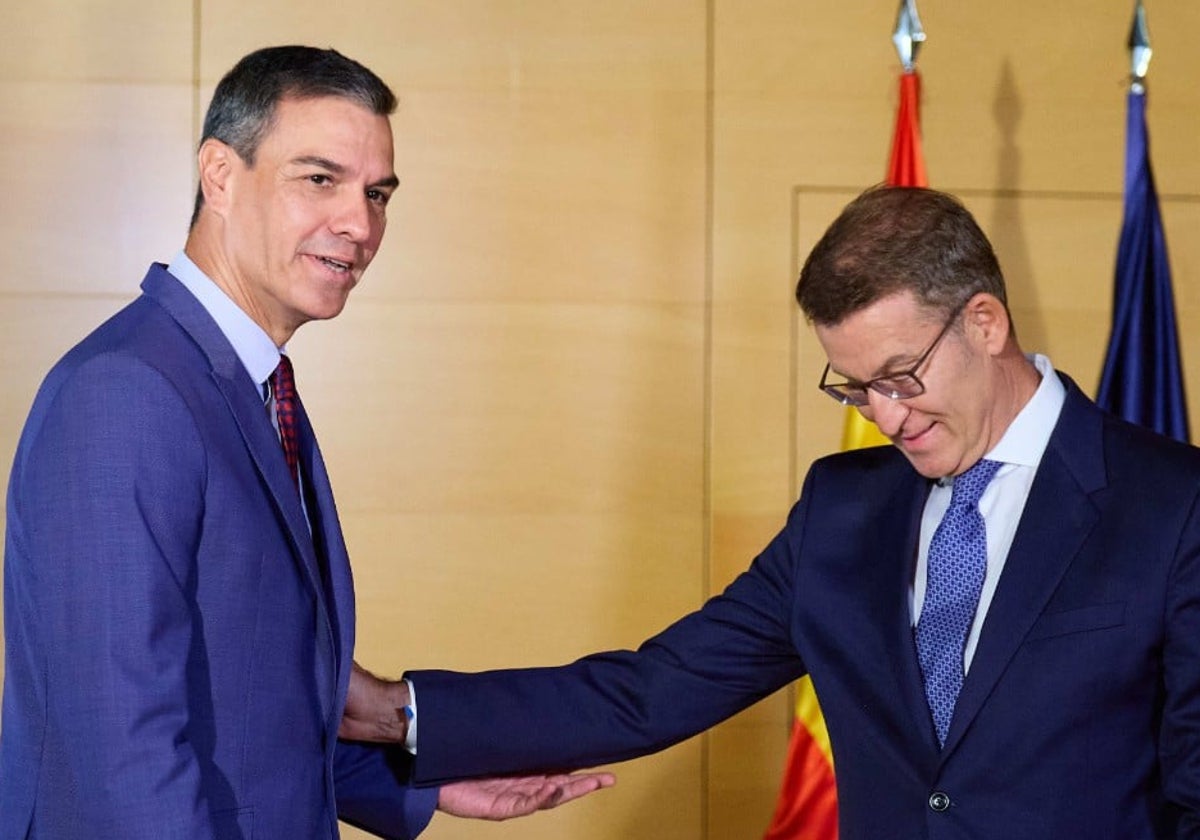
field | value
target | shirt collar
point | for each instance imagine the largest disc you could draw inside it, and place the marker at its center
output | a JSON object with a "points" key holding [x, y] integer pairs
{"points": [[1027, 436], [253, 346]]}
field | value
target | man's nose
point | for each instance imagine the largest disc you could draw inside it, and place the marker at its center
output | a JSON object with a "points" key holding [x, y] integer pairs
{"points": [[888, 414], [353, 219]]}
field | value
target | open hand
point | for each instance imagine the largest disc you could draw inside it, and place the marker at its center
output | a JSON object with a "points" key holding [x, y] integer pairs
{"points": [[516, 796]]}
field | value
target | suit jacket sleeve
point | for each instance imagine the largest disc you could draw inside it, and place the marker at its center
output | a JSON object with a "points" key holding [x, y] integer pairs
{"points": [[622, 704], [107, 500], [374, 791]]}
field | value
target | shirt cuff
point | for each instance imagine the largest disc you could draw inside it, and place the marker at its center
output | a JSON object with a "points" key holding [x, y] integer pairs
{"points": [[410, 711]]}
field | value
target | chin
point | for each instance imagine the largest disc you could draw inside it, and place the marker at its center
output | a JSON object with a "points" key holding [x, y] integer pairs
{"points": [[325, 314], [327, 306], [927, 465]]}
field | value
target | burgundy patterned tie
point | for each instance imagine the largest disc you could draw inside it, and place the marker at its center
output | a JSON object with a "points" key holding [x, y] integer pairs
{"points": [[283, 386]]}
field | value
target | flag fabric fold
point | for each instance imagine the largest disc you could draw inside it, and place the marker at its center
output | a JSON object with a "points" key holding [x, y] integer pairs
{"points": [[1142, 378], [907, 165], [807, 804]]}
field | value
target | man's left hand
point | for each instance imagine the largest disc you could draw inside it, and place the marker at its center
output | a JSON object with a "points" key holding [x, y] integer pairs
{"points": [[517, 796]]}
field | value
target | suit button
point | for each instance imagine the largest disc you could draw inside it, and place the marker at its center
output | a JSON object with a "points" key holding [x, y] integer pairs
{"points": [[939, 801]]}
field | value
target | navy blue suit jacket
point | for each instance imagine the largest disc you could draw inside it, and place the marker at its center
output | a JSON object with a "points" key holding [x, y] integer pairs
{"points": [[1079, 718], [178, 643]]}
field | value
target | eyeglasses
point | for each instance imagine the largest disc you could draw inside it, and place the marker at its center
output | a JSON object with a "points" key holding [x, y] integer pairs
{"points": [[902, 385]]}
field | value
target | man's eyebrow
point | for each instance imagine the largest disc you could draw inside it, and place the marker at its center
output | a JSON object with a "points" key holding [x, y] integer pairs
{"points": [[323, 163], [897, 363], [336, 168]]}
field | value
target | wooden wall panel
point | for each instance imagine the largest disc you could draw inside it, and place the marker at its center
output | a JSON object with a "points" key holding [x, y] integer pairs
{"points": [[547, 151], [452, 399], [95, 110]]}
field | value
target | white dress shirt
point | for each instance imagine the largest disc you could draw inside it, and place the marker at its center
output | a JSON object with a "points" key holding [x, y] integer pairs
{"points": [[253, 346]]}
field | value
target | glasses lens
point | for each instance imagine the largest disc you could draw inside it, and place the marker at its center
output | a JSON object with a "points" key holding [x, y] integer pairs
{"points": [[847, 394], [902, 386]]}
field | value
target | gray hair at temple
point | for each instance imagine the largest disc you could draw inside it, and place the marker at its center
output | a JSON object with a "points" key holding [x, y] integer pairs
{"points": [[897, 239], [242, 110]]}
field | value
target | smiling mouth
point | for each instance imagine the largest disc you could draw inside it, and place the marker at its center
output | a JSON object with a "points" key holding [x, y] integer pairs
{"points": [[911, 438], [336, 265]]}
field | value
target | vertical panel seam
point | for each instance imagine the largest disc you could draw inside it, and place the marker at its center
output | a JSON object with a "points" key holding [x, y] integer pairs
{"points": [[196, 125], [706, 559]]}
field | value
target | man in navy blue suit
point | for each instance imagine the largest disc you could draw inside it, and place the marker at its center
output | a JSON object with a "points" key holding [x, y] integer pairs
{"points": [[179, 611], [1000, 612]]}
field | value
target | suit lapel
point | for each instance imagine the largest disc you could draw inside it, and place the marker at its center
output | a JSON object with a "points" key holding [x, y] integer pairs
{"points": [[912, 684], [338, 588], [1057, 519], [263, 444], [878, 582]]}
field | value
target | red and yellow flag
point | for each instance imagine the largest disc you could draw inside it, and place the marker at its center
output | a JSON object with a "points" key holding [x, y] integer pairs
{"points": [[807, 806]]}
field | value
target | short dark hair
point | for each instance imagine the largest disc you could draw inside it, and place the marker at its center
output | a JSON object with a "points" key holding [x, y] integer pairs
{"points": [[896, 239], [243, 105]]}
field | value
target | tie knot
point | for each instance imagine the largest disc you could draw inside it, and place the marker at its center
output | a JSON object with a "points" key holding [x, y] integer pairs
{"points": [[969, 486], [283, 381]]}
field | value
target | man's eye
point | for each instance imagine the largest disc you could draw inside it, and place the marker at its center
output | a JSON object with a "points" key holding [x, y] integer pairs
{"points": [[378, 196], [319, 180], [898, 388]]}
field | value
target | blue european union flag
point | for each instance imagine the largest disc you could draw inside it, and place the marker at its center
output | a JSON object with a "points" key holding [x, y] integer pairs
{"points": [[1142, 380]]}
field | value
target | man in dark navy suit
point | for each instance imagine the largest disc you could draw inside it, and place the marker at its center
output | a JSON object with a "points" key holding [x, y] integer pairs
{"points": [[1000, 612]]}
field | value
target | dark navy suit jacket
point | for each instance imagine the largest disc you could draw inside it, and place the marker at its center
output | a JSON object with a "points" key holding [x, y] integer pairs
{"points": [[1079, 718], [178, 642]]}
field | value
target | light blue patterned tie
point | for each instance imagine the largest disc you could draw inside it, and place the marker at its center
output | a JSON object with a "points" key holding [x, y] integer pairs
{"points": [[957, 563]]}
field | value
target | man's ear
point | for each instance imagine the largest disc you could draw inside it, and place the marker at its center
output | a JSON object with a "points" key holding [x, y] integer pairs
{"points": [[217, 163], [989, 317]]}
